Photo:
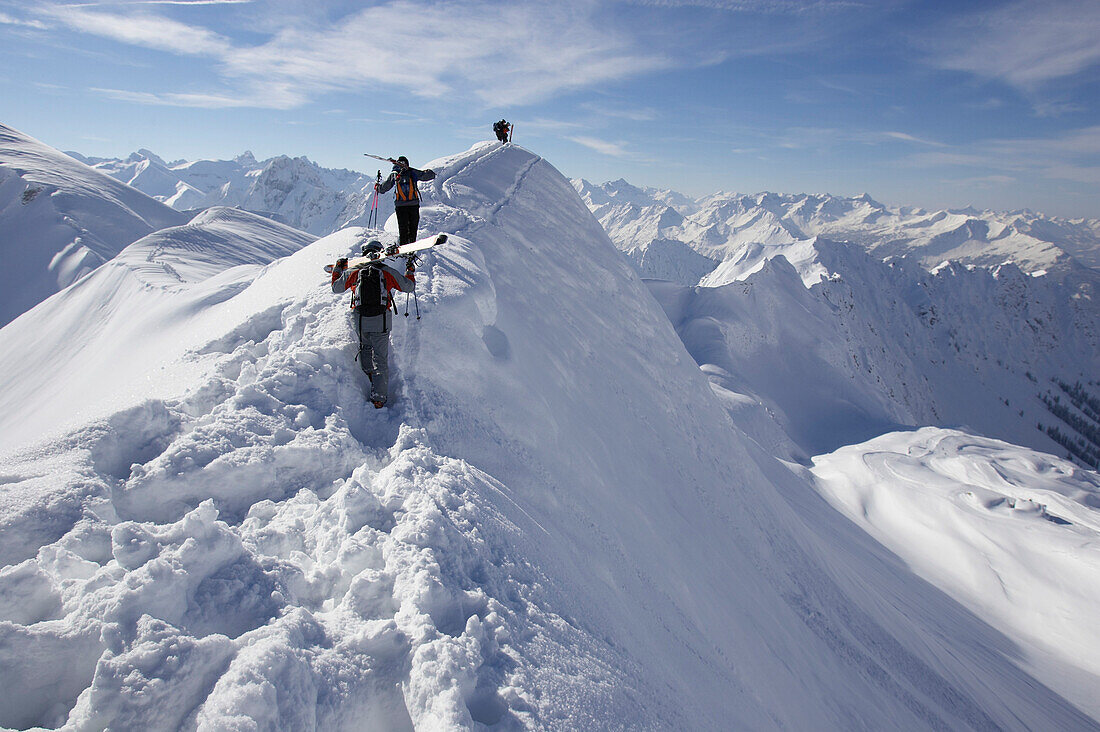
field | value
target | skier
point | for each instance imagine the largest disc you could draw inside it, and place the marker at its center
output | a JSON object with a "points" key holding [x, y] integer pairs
{"points": [[373, 287], [406, 197], [502, 128]]}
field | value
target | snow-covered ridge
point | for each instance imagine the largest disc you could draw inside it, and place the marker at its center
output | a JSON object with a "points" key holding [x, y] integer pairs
{"points": [[213, 241], [60, 220], [558, 526]]}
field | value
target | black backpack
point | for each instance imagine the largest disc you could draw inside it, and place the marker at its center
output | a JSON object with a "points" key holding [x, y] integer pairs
{"points": [[371, 302]]}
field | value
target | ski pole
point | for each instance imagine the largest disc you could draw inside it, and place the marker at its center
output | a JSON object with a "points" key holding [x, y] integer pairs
{"points": [[374, 202]]}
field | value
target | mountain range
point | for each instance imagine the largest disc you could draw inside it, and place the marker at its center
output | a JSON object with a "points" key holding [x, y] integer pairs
{"points": [[802, 481], [294, 191], [717, 225]]}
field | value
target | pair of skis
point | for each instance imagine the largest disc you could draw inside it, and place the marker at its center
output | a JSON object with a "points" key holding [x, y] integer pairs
{"points": [[394, 251]]}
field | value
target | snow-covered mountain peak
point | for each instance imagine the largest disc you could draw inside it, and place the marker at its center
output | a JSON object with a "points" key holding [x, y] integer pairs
{"points": [[143, 154]]}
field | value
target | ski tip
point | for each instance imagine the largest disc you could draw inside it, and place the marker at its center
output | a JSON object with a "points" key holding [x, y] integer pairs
{"points": [[329, 268]]}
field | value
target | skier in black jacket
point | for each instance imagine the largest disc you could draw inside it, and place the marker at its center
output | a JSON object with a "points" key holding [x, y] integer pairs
{"points": [[406, 197]]}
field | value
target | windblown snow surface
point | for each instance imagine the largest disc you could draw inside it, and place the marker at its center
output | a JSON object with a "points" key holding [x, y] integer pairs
{"points": [[1012, 532], [59, 220], [558, 525]]}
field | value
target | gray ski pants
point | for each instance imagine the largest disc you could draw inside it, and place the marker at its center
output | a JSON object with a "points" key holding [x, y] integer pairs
{"points": [[374, 354]]}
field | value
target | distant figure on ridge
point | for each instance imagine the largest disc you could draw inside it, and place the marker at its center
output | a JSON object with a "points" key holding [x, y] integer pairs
{"points": [[502, 130], [373, 288], [406, 197]]}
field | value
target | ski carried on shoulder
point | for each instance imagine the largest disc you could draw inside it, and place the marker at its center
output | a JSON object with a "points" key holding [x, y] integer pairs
{"points": [[384, 159], [394, 250]]}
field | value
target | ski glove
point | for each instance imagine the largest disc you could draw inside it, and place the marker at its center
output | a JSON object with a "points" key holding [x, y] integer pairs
{"points": [[342, 263]]}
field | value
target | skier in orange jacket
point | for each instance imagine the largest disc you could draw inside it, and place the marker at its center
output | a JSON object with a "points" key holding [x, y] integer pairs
{"points": [[373, 287]]}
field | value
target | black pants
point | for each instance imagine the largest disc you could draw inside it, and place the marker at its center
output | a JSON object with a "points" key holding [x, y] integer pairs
{"points": [[408, 219]]}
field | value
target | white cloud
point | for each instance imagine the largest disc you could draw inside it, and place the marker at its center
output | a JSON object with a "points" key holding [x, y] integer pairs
{"points": [[127, 3], [616, 111], [618, 149], [1070, 156], [820, 138], [767, 7], [984, 181], [905, 137], [604, 147], [142, 29], [490, 53], [265, 98], [500, 54], [1026, 43], [552, 126], [6, 19]]}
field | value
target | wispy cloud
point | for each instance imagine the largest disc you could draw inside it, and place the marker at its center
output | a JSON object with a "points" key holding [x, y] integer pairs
{"points": [[527, 52], [905, 137], [604, 147], [618, 111], [617, 149], [986, 104], [265, 98], [494, 54], [498, 54], [1025, 43], [142, 29], [983, 181], [820, 138], [766, 7], [553, 126], [6, 19], [1070, 156], [127, 3]]}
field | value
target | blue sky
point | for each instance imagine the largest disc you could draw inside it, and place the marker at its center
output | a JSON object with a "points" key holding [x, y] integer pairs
{"points": [[937, 104]]}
